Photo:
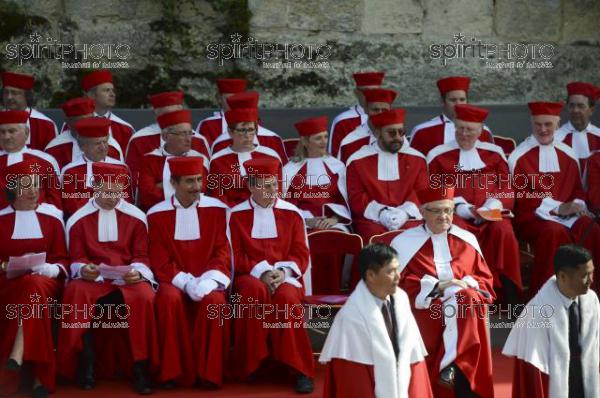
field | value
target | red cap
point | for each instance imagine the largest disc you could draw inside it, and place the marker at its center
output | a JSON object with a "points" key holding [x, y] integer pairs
{"points": [[78, 107], [172, 118], [380, 95], [248, 99], [470, 113], [240, 115], [111, 173], [186, 166], [453, 83], [393, 116], [434, 194], [545, 108], [262, 167], [368, 78], [18, 80], [95, 78], [231, 86], [93, 127], [13, 117], [311, 126], [582, 88], [165, 99]]}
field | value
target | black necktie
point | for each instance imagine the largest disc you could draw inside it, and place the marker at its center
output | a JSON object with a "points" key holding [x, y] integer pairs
{"points": [[389, 325], [575, 372]]}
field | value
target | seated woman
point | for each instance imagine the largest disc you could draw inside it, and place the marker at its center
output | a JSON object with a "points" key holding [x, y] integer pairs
{"points": [[315, 181], [27, 295]]}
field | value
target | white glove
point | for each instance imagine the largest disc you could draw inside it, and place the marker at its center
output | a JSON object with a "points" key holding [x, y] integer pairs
{"points": [[464, 211], [48, 270], [181, 279], [197, 288], [393, 219]]}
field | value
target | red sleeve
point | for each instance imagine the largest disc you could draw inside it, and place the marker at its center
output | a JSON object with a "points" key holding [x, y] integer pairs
{"points": [[139, 247], [504, 186], [593, 182], [239, 236], [77, 248], [149, 193], [357, 192], [349, 380], [298, 252], [220, 260], [528, 381], [57, 252], [162, 264], [340, 131], [420, 386]]}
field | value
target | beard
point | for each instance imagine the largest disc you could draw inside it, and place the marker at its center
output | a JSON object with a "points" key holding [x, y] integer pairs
{"points": [[393, 146]]}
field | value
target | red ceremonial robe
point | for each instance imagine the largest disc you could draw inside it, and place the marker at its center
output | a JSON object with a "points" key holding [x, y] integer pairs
{"points": [[437, 131], [76, 185], [156, 171], [481, 179], [225, 181], [539, 342], [264, 137], [344, 124], [544, 176], [193, 343], [23, 232], [212, 127], [115, 237], [453, 325], [360, 356], [148, 139], [593, 182], [64, 148], [42, 130], [47, 168], [583, 143], [263, 239], [377, 179], [317, 186], [358, 138], [120, 130]]}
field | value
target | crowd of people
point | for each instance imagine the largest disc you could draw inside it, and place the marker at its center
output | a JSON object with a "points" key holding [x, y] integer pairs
{"points": [[171, 221]]}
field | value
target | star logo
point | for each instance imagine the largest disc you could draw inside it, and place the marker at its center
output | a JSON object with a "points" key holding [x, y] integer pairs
{"points": [[236, 298], [236, 38], [458, 167], [35, 37], [35, 298], [35, 168], [235, 168], [459, 38]]}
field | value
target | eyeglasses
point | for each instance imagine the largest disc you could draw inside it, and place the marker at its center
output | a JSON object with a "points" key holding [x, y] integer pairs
{"points": [[446, 211], [188, 133], [246, 131]]}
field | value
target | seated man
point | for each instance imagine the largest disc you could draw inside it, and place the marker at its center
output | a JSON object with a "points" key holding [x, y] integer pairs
{"points": [[270, 257], [93, 135], [226, 180], [383, 177], [449, 286], [593, 182], [482, 183], [14, 134], [555, 343], [549, 195], [374, 348], [28, 227], [105, 235], [191, 259], [155, 176]]}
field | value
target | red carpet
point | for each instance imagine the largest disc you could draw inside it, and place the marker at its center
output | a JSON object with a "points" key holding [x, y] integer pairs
{"points": [[263, 388]]}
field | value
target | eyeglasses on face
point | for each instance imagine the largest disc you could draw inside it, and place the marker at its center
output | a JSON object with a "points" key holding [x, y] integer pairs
{"points": [[446, 211], [187, 133], [244, 131]]}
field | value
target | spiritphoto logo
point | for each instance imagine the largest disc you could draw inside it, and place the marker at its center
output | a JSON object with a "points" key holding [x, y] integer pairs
{"points": [[72, 55], [272, 55], [494, 55]]}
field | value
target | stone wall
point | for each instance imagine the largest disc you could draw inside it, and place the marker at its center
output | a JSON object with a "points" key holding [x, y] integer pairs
{"points": [[172, 45]]}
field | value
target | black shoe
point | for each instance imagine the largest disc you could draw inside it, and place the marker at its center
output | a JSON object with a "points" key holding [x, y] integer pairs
{"points": [[141, 383], [304, 384], [39, 392], [169, 385], [208, 385], [87, 376], [12, 365], [447, 377]]}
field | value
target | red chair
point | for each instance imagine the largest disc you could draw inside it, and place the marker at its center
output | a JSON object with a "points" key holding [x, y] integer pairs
{"points": [[506, 143], [330, 252], [290, 146], [385, 238]]}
